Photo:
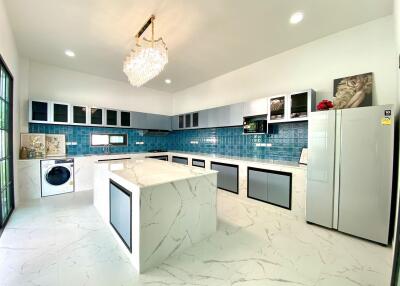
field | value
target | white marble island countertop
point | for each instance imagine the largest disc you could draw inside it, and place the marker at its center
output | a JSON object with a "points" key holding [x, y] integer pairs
{"points": [[155, 208], [151, 172]]}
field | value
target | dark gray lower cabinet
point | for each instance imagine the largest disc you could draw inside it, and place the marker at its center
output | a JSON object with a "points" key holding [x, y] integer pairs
{"points": [[269, 186], [180, 160], [228, 176], [198, 163], [121, 213]]}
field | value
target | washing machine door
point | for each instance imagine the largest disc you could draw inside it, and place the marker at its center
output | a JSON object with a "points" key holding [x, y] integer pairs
{"points": [[58, 175]]}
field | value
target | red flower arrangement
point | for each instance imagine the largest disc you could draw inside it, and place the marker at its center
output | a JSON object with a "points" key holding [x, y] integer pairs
{"points": [[325, 105]]}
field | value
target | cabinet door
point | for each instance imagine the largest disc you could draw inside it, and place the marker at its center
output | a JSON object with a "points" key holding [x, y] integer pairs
{"points": [[257, 184], [121, 213], [188, 120], [203, 119], [278, 109], [195, 119], [39, 111], [111, 117], [164, 122], [228, 176], [255, 107], [125, 118], [60, 113], [279, 189], [96, 116], [235, 114], [212, 117], [181, 122], [223, 114], [79, 114], [139, 120], [175, 122]]}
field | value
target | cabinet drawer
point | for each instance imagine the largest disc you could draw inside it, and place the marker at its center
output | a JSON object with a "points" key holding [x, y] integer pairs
{"points": [[273, 187], [198, 163], [180, 160], [228, 176]]}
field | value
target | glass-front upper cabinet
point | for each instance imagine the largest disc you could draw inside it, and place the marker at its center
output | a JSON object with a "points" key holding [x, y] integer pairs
{"points": [[125, 118], [180, 121], [188, 120], [277, 109], [96, 116], [301, 104], [79, 114], [61, 112], [111, 117], [195, 119], [39, 111]]}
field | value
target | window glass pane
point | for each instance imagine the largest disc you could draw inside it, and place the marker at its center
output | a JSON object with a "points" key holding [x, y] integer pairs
{"points": [[118, 139], [5, 141], [8, 88], [2, 114], [2, 147], [2, 83], [3, 173], [99, 139]]}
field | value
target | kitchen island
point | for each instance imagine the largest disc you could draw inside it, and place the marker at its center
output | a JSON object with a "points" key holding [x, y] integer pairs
{"points": [[155, 208]]}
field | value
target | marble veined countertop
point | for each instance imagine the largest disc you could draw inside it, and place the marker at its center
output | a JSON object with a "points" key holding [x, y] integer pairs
{"points": [[151, 172]]}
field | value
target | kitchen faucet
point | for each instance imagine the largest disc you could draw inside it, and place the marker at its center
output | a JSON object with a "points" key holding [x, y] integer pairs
{"points": [[107, 149]]}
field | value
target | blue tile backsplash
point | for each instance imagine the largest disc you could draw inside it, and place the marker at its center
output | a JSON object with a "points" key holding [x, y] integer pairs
{"points": [[287, 140]]}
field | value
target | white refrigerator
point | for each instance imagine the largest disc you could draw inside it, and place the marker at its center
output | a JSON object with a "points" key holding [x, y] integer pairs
{"points": [[350, 168]]}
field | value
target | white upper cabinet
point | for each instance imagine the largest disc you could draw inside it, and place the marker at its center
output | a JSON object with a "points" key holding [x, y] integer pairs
{"points": [[255, 107]]}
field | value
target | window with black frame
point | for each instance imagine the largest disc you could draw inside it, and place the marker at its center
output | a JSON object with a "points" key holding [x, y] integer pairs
{"points": [[6, 152]]}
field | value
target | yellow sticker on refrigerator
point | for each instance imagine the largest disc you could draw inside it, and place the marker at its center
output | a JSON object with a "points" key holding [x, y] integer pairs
{"points": [[386, 121]]}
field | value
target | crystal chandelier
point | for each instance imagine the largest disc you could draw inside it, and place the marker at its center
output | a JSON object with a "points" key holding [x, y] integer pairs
{"points": [[147, 59]]}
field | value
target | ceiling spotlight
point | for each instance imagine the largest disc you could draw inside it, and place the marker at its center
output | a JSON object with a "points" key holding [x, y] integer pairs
{"points": [[168, 81], [296, 18], [69, 53]]}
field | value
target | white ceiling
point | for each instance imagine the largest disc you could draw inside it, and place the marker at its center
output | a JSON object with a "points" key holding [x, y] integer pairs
{"points": [[205, 38]]}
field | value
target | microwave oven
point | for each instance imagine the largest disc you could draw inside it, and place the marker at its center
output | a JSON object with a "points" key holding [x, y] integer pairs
{"points": [[253, 125]]}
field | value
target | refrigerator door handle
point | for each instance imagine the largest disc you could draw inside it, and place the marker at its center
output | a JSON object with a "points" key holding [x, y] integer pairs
{"points": [[336, 183]]}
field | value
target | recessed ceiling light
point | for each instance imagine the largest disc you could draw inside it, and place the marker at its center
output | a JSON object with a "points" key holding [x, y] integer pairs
{"points": [[69, 53], [168, 81], [296, 18]]}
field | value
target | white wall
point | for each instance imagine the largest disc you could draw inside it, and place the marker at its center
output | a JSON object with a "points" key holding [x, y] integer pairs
{"points": [[8, 51], [41, 81], [366, 48]]}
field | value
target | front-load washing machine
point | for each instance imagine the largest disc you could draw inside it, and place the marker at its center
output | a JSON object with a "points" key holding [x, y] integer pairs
{"points": [[57, 176]]}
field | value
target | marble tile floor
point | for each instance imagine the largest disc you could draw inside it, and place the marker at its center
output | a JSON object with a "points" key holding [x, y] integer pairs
{"points": [[61, 240]]}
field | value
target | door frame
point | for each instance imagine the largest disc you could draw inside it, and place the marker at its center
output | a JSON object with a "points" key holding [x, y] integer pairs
{"points": [[10, 143]]}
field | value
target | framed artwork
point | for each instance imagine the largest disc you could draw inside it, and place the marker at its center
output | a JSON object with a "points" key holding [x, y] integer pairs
{"points": [[55, 145], [353, 91], [33, 145]]}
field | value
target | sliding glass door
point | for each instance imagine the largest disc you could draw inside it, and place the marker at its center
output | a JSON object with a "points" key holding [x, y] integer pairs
{"points": [[6, 150]]}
